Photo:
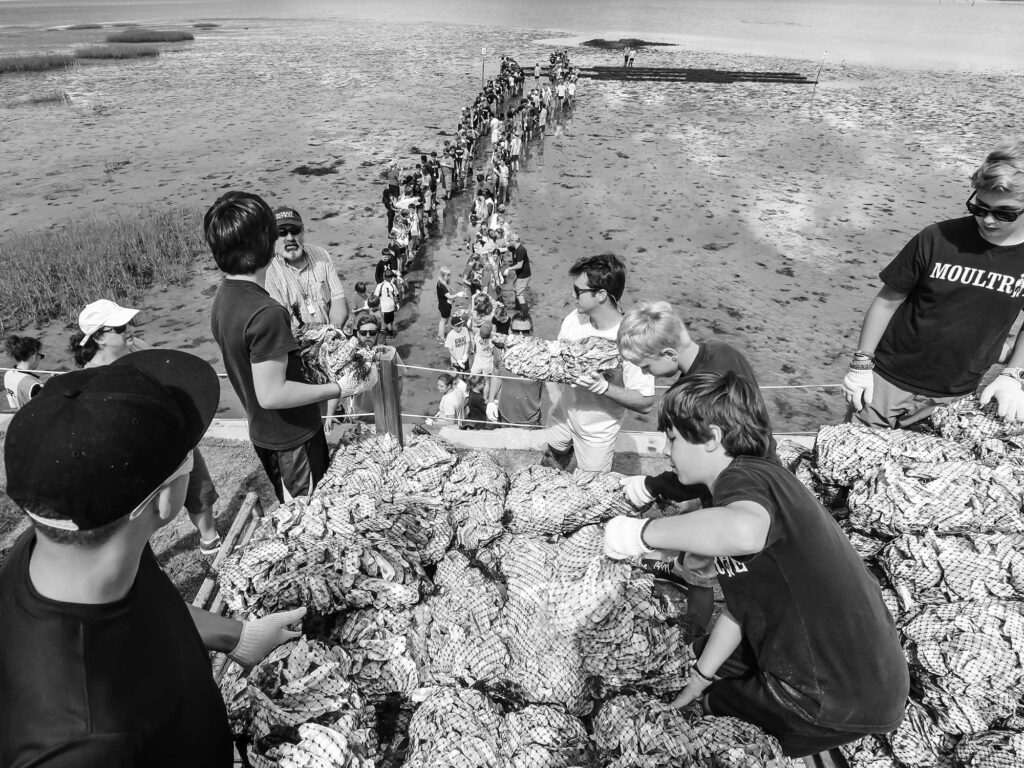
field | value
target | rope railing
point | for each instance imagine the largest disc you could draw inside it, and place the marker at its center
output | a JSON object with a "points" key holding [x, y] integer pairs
{"points": [[494, 376]]}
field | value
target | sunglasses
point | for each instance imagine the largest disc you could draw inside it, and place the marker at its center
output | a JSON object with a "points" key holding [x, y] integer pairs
{"points": [[40, 355], [285, 231], [580, 291], [371, 332], [999, 214], [520, 331], [119, 329]]}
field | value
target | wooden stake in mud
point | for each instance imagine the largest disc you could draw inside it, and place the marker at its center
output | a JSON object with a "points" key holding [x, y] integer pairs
{"points": [[387, 406], [483, 59], [817, 77]]}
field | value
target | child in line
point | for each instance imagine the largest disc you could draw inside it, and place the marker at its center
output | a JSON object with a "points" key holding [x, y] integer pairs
{"points": [[483, 357], [459, 342], [388, 295], [805, 648], [452, 408]]}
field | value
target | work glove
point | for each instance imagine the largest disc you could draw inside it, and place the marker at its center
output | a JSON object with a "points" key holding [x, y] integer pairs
{"points": [[595, 382], [858, 388], [623, 538], [260, 636], [635, 488], [1008, 394], [492, 411]]}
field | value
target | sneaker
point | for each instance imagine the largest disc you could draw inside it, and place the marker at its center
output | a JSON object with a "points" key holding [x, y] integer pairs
{"points": [[664, 570], [211, 547]]}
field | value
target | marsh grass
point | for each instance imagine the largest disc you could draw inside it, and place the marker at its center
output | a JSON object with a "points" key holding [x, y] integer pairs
{"points": [[149, 36], [205, 25], [115, 52], [39, 62], [51, 274], [85, 26], [49, 97]]}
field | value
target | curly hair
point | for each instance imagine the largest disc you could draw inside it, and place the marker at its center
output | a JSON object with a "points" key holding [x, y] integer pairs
{"points": [[21, 348]]}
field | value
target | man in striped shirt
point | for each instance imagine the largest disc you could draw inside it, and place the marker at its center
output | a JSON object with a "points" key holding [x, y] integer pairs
{"points": [[302, 277]]}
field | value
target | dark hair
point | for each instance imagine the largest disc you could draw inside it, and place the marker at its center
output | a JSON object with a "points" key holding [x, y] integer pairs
{"points": [[728, 401], [606, 270], [90, 538], [373, 302], [82, 353], [240, 229], [366, 318], [21, 348], [521, 317], [360, 287], [447, 378]]}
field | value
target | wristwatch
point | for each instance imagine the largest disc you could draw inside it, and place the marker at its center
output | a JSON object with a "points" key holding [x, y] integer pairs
{"points": [[1013, 373]]}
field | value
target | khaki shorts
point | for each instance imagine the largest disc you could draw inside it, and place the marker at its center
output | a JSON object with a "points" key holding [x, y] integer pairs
{"points": [[591, 456], [895, 408]]}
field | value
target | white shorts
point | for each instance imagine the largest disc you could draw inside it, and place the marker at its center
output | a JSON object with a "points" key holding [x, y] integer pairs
{"points": [[591, 456], [480, 368]]}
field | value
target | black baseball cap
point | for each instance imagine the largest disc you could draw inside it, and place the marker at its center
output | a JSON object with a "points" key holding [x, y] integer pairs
{"points": [[95, 444]]}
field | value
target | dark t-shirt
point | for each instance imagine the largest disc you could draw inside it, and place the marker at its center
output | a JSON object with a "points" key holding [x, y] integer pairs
{"points": [[443, 305], [963, 295], [712, 357], [120, 684], [520, 255], [825, 644], [250, 327], [519, 400]]}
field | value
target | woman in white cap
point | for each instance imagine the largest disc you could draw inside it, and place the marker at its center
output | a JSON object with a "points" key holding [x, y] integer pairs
{"points": [[105, 336]]}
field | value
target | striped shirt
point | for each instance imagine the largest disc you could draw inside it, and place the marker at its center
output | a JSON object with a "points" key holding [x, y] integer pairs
{"points": [[311, 289]]}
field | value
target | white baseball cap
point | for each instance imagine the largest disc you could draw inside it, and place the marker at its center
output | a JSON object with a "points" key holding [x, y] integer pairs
{"points": [[101, 314]]}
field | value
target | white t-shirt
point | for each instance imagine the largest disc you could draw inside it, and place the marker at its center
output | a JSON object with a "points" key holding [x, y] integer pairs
{"points": [[452, 408], [459, 344], [387, 293], [21, 386], [588, 414]]}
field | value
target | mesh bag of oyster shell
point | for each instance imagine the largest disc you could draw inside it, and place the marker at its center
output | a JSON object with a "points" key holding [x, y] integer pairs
{"points": [[868, 547], [475, 493], [420, 470], [869, 752], [958, 715], [995, 749], [790, 453], [540, 736], [455, 728], [327, 355], [948, 497], [381, 661], [559, 361], [968, 649], [831, 495], [966, 421], [543, 500], [931, 569], [845, 453], [639, 731], [728, 741], [454, 632], [918, 742]]}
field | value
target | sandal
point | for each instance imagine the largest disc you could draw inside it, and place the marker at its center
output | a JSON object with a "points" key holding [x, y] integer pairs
{"points": [[211, 547]]}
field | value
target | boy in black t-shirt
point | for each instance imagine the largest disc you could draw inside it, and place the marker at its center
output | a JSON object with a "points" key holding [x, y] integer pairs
{"points": [[948, 303], [260, 354], [101, 661], [805, 648]]}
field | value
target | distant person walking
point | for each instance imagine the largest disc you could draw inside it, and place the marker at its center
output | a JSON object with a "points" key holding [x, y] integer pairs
{"points": [[632, 55], [21, 384], [625, 57]]}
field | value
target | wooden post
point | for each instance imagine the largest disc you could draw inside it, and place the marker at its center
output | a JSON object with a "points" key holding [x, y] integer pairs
{"points": [[387, 402]]}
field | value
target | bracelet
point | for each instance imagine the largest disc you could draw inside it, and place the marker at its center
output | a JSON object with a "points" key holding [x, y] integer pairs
{"points": [[862, 364], [1013, 373], [700, 674], [863, 354]]}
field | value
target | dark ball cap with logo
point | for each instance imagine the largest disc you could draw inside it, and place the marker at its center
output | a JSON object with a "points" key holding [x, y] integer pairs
{"points": [[94, 444]]}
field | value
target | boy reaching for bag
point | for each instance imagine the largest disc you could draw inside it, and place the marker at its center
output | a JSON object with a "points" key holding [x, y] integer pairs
{"points": [[805, 648]]}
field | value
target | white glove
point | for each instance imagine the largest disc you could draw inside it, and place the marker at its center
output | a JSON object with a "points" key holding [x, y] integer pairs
{"points": [[623, 538], [492, 411], [595, 382], [1008, 393], [260, 636], [635, 488], [858, 387]]}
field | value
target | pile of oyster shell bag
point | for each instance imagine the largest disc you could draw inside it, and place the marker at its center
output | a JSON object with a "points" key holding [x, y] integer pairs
{"points": [[459, 616], [937, 516]]}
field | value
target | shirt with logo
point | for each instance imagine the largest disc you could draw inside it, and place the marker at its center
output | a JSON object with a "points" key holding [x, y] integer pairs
{"points": [[963, 295]]}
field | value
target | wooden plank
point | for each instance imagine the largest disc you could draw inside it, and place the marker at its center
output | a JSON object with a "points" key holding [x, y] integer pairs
{"points": [[237, 526]]}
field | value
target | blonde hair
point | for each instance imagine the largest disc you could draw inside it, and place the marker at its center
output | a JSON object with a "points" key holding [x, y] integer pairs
{"points": [[1002, 171], [648, 329]]}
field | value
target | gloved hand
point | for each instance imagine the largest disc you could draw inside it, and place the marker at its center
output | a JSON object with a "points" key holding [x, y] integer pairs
{"points": [[260, 636], [492, 411], [1008, 394], [858, 387], [595, 382], [623, 538], [694, 689], [635, 488]]}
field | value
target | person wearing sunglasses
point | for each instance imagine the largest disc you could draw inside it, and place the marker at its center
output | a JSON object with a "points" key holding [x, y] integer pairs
{"points": [[514, 401], [20, 383], [946, 308], [106, 336], [367, 328], [585, 417]]}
